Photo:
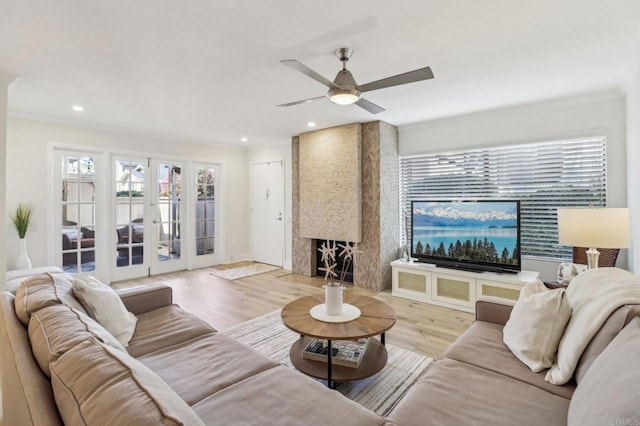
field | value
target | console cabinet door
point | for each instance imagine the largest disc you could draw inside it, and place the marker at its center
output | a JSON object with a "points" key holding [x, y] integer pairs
{"points": [[453, 290], [411, 284], [500, 290]]}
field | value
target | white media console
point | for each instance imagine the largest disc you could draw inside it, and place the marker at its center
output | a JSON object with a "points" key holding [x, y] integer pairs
{"points": [[453, 288]]}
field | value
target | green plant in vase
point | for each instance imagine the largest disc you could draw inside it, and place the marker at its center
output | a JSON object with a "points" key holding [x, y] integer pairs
{"points": [[22, 220]]}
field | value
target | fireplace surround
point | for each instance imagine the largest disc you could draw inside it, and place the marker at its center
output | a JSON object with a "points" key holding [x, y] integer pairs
{"points": [[378, 199]]}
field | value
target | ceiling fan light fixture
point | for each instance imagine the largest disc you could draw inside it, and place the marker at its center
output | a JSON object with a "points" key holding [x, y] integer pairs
{"points": [[344, 96]]}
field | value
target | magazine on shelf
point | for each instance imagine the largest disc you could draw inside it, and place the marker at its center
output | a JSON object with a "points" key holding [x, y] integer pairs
{"points": [[347, 353]]}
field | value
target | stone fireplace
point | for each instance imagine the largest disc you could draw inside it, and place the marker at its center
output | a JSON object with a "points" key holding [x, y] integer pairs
{"points": [[345, 187]]}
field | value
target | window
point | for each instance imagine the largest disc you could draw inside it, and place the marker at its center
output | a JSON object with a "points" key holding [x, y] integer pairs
{"points": [[543, 176]]}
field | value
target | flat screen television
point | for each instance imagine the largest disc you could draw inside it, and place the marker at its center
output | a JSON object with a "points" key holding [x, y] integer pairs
{"points": [[474, 235]]}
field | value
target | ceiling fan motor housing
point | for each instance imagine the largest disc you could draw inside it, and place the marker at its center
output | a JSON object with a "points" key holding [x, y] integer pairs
{"points": [[346, 92]]}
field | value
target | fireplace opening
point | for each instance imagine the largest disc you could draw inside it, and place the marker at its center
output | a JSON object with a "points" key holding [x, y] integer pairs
{"points": [[343, 270]]}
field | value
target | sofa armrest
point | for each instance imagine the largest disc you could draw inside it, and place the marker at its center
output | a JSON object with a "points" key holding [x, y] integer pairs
{"points": [[145, 298], [494, 310]]}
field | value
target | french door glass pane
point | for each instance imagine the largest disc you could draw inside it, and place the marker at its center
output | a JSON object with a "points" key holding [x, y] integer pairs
{"points": [[78, 213], [129, 213], [169, 195], [205, 203]]}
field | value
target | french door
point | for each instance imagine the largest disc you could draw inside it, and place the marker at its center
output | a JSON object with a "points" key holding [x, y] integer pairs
{"points": [[206, 203], [148, 202], [75, 214]]}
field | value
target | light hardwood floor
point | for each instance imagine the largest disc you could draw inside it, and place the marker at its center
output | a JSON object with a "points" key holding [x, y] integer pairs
{"points": [[222, 303]]}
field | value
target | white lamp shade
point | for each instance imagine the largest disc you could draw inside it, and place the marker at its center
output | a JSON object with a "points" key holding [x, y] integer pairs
{"points": [[594, 227]]}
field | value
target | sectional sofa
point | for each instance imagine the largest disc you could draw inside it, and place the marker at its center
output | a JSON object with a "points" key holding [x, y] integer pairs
{"points": [[176, 369], [57, 364]]}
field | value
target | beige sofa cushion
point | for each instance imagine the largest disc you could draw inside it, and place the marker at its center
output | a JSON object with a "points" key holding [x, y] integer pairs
{"points": [[27, 397], [99, 385], [281, 396], [536, 325], [610, 390], [609, 330], [165, 327], [104, 305], [43, 290], [481, 345], [15, 277], [455, 393], [201, 374], [56, 329]]}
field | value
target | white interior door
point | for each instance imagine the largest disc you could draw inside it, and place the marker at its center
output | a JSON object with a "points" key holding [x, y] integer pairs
{"points": [[267, 212]]}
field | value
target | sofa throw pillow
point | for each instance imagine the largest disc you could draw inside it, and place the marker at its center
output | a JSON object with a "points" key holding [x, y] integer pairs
{"points": [[610, 391], [56, 329], [536, 324], [105, 306], [96, 384]]}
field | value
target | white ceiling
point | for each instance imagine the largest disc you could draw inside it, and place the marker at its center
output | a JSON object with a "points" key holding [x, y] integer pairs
{"points": [[210, 70]]}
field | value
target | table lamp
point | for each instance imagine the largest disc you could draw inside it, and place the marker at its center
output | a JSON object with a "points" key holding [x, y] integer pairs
{"points": [[592, 227]]}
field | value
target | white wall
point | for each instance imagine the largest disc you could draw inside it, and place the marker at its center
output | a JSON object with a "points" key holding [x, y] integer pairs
{"points": [[600, 113], [275, 153], [5, 80], [28, 181], [633, 167]]}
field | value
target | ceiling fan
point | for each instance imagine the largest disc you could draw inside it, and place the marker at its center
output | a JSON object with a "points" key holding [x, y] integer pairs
{"points": [[343, 90]]}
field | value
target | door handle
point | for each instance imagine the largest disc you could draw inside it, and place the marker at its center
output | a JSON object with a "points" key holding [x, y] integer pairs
{"points": [[279, 216], [155, 222]]}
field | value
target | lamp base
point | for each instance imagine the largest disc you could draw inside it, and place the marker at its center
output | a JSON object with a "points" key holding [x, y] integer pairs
{"points": [[592, 257]]}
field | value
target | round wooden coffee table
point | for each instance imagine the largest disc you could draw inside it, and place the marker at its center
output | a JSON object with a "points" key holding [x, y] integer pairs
{"points": [[376, 318]]}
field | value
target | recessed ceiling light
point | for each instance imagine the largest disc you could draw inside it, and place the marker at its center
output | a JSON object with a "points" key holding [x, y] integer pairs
{"points": [[77, 108], [311, 124], [243, 139]]}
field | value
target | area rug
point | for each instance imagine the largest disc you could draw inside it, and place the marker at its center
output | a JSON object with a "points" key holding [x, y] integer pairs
{"points": [[378, 393], [243, 271]]}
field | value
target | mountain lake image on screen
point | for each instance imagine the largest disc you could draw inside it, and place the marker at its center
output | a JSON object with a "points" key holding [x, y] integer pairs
{"points": [[475, 234]]}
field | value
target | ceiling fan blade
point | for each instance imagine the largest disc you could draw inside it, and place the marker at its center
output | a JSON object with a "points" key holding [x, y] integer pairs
{"points": [[369, 106], [397, 80], [299, 66], [304, 101]]}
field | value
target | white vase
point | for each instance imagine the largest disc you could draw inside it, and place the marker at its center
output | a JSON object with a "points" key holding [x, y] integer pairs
{"points": [[23, 261], [333, 299]]}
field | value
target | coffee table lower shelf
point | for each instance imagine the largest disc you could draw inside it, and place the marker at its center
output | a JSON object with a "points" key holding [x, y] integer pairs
{"points": [[375, 358]]}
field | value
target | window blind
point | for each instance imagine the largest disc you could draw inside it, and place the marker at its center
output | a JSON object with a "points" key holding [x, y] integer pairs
{"points": [[543, 176]]}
